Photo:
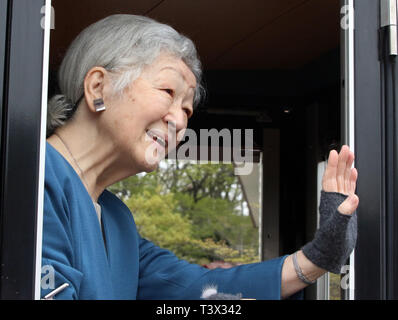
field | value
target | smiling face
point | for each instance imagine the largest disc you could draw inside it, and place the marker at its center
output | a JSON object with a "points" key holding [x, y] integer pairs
{"points": [[152, 113]]}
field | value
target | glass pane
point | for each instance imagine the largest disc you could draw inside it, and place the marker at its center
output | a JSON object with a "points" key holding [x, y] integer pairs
{"points": [[198, 211], [335, 288]]}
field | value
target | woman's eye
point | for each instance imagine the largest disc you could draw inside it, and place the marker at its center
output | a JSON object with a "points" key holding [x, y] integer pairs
{"points": [[170, 92], [188, 112]]}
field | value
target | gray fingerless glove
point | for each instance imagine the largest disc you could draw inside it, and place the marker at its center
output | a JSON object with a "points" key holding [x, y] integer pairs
{"points": [[336, 237]]}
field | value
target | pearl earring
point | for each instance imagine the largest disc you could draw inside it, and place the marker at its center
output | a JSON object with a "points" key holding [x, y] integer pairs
{"points": [[99, 105]]}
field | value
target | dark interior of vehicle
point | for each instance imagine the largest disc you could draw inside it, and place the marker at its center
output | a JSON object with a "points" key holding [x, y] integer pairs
{"points": [[272, 66]]}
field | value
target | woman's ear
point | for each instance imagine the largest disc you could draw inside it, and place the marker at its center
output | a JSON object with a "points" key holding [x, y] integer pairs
{"points": [[94, 87]]}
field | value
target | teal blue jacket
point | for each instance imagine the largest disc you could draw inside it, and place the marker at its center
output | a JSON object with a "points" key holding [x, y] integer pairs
{"points": [[128, 266]]}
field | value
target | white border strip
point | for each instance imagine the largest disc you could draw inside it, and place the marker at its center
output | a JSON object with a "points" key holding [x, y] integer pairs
{"points": [[39, 231], [351, 120], [350, 113]]}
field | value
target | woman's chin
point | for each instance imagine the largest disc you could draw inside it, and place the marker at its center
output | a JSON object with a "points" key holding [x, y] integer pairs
{"points": [[151, 167], [153, 155], [151, 163]]}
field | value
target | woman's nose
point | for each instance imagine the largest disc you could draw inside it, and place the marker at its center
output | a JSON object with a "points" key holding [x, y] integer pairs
{"points": [[176, 118]]}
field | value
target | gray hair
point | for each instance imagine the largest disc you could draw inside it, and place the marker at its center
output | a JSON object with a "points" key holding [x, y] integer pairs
{"points": [[122, 44]]}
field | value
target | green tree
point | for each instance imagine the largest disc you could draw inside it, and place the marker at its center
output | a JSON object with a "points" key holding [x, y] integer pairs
{"points": [[158, 221], [194, 210]]}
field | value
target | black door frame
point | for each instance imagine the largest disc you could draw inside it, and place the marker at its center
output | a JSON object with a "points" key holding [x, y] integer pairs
{"points": [[376, 257], [21, 156], [389, 72], [369, 259]]}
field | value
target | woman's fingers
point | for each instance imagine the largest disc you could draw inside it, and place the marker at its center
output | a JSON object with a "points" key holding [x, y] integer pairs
{"points": [[329, 183], [349, 205], [341, 169], [339, 175], [347, 174], [353, 180]]}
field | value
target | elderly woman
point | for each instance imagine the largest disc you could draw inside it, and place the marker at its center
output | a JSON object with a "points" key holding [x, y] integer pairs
{"points": [[125, 81]]}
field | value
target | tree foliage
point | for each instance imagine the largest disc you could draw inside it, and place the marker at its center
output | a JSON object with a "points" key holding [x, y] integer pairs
{"points": [[195, 210]]}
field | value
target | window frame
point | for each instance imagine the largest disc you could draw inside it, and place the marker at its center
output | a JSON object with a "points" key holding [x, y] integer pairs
{"points": [[23, 137], [370, 253], [22, 147]]}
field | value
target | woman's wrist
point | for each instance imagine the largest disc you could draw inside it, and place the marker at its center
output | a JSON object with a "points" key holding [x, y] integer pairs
{"points": [[309, 270], [291, 283]]}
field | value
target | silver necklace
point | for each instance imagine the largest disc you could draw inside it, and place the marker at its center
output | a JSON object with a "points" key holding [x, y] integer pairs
{"points": [[76, 163]]}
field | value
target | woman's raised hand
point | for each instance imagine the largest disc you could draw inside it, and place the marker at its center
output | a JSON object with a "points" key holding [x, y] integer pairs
{"points": [[341, 177]]}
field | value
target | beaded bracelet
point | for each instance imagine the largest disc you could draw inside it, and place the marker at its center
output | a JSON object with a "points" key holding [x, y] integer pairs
{"points": [[299, 272]]}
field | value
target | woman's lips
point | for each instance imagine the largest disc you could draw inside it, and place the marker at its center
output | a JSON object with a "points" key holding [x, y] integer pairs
{"points": [[158, 137]]}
